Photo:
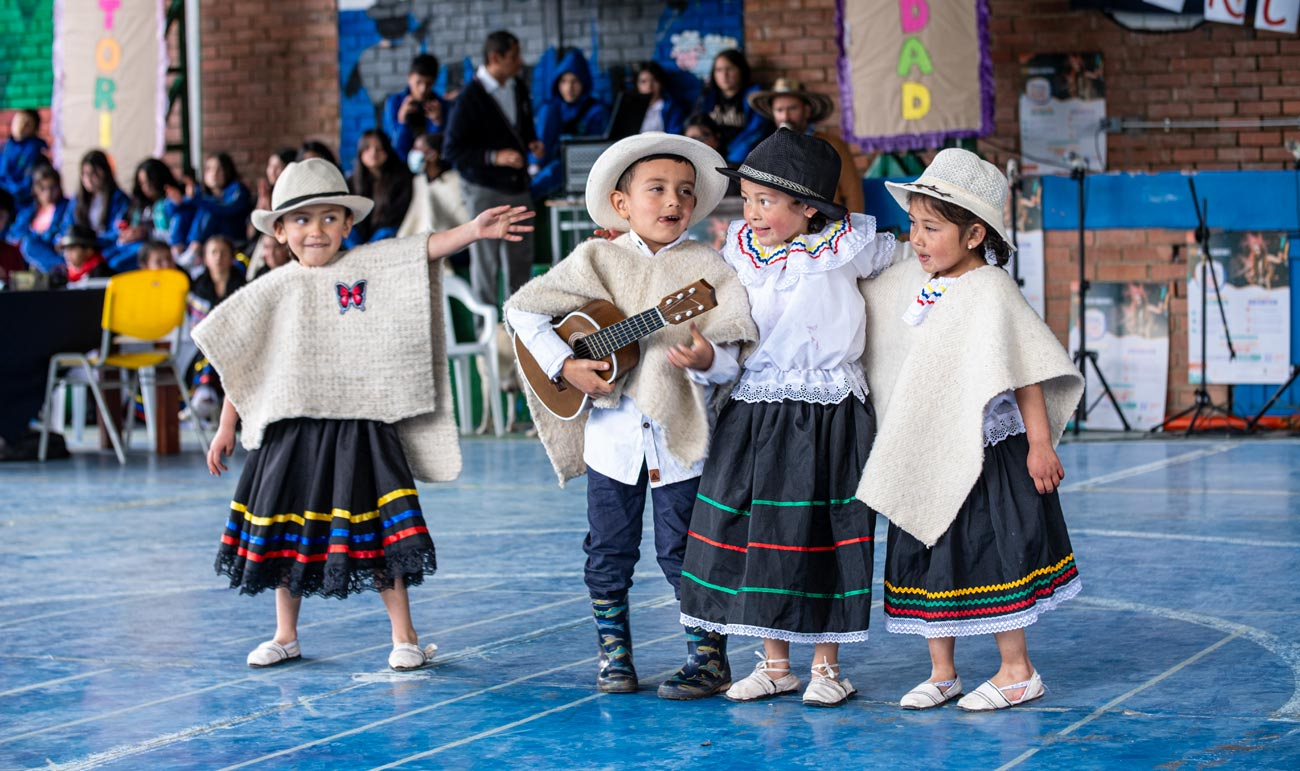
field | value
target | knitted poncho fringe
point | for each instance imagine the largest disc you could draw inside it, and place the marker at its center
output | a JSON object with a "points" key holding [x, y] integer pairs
{"points": [[615, 271], [286, 347], [931, 383]]}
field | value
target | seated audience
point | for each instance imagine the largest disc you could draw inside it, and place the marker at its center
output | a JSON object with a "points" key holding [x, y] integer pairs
{"points": [[417, 109], [39, 225], [436, 200], [724, 99], [21, 154], [383, 177], [99, 205], [267, 255], [156, 255], [218, 281], [663, 113], [314, 149], [222, 203], [82, 258], [701, 128], [571, 111], [11, 259]]}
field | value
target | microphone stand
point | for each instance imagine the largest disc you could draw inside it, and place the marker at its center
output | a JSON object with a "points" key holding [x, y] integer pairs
{"points": [[1253, 424], [1013, 180], [1083, 356]]}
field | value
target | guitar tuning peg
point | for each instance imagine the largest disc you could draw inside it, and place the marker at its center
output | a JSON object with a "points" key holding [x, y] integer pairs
{"points": [[692, 291], [699, 308], [689, 314], [678, 317], [680, 295]]}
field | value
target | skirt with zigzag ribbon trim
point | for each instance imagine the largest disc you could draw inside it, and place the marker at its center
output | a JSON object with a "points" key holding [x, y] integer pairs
{"points": [[326, 507], [779, 547], [1005, 559]]}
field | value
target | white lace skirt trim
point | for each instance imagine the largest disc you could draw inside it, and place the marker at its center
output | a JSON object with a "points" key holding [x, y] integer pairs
{"points": [[775, 634], [999, 427], [984, 625], [814, 386]]}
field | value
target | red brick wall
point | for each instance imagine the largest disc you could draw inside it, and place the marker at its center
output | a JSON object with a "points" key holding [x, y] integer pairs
{"points": [[269, 76]]}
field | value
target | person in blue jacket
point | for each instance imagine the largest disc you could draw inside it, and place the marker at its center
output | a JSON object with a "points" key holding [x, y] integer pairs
{"points": [[222, 204], [417, 109], [725, 99], [21, 155], [663, 112], [571, 111], [101, 205], [38, 225]]}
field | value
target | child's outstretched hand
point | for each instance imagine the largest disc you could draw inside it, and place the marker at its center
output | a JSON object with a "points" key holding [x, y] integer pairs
{"points": [[1045, 468], [697, 355], [581, 374], [222, 444], [500, 222]]}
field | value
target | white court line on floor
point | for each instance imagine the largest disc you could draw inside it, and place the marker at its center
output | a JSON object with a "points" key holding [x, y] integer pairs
{"points": [[1103, 709], [1186, 491], [106, 596], [1181, 537], [516, 531], [1287, 651], [48, 683], [1148, 467]]}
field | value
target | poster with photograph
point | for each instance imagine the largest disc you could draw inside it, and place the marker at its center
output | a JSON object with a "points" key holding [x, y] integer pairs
{"points": [[1128, 328], [1026, 263], [1062, 103], [1254, 278]]}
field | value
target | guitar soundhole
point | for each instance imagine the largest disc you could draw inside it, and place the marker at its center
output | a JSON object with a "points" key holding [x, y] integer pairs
{"points": [[578, 343]]}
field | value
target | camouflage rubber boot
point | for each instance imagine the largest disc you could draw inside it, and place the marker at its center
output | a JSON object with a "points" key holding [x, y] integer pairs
{"points": [[706, 670], [614, 638]]}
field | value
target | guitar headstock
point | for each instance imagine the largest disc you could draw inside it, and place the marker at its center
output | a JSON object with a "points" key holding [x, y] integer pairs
{"points": [[688, 302]]}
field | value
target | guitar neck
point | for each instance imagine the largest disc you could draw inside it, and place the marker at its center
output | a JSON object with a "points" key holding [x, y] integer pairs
{"points": [[605, 341]]}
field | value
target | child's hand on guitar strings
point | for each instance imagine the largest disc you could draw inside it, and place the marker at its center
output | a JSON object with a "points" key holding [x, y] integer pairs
{"points": [[698, 355], [581, 374]]}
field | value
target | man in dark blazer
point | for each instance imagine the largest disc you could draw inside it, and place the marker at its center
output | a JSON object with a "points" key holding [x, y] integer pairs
{"points": [[488, 140]]}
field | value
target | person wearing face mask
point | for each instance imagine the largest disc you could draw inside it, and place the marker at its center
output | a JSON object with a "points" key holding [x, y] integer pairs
{"points": [[437, 202], [792, 106]]}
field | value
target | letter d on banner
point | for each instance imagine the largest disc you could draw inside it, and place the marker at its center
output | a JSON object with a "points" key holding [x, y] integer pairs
{"points": [[916, 101]]}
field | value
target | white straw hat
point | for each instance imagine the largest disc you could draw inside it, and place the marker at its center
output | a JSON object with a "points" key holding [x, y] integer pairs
{"points": [[961, 177], [710, 186], [308, 183]]}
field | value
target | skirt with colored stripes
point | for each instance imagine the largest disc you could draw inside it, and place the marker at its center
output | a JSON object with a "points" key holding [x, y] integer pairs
{"points": [[1005, 559], [778, 545], [326, 507]]}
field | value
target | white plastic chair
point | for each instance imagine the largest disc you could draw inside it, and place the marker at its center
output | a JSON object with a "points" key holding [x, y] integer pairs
{"points": [[461, 354]]}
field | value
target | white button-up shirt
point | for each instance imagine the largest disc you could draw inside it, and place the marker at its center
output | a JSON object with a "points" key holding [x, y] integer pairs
{"points": [[620, 441], [503, 93]]}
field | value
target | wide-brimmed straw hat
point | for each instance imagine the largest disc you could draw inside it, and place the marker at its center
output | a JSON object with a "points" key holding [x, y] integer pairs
{"points": [[308, 183], [802, 165], [963, 178], [820, 106], [709, 187], [79, 235]]}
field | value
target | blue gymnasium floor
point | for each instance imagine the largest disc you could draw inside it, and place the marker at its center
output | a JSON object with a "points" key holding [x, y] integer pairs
{"points": [[122, 650]]}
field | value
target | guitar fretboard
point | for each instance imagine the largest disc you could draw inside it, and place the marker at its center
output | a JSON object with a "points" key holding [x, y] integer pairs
{"points": [[603, 342]]}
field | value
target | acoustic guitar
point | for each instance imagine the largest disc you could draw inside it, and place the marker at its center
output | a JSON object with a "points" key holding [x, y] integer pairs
{"points": [[600, 331]]}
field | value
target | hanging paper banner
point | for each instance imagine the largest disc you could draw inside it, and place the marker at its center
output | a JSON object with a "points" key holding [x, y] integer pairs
{"points": [[914, 73], [1226, 11], [1277, 15], [110, 87], [1175, 6], [1128, 329]]}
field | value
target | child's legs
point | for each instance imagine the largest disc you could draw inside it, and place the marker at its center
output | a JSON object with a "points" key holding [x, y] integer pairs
{"points": [[942, 666], [826, 653], [398, 605], [1016, 667], [777, 653], [613, 543], [673, 505], [286, 616]]}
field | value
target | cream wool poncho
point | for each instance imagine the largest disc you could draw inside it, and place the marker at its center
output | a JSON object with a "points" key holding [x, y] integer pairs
{"points": [[930, 384], [288, 346], [615, 271]]}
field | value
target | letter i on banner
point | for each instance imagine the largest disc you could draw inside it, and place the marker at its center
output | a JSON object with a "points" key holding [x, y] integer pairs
{"points": [[1277, 15]]}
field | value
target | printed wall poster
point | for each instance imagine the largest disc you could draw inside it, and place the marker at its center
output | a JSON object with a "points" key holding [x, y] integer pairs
{"points": [[1026, 263], [914, 73], [110, 89], [1254, 277], [1128, 328], [1061, 108]]}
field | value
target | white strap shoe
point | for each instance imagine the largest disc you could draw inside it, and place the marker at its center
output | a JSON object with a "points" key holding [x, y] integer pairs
{"points": [[407, 656], [760, 685], [989, 697], [825, 689], [928, 695], [270, 653]]}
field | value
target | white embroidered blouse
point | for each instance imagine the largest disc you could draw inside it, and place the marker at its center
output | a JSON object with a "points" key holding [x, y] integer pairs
{"points": [[1002, 414], [805, 301]]}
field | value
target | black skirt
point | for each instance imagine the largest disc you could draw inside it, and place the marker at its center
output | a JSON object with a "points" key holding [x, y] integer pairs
{"points": [[779, 547], [1005, 559], [326, 507]]}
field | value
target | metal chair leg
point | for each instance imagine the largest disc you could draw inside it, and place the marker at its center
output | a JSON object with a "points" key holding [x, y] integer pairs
{"points": [[50, 381], [105, 416], [189, 403]]}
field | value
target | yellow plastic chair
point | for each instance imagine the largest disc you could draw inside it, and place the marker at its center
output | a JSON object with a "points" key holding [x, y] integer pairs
{"points": [[145, 305]]}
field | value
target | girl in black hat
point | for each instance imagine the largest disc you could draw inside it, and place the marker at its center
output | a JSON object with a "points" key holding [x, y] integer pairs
{"points": [[779, 548]]}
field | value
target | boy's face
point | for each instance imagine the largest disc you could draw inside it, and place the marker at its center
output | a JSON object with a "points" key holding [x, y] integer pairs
{"points": [[569, 87], [702, 134], [76, 256], [217, 257], [421, 86], [314, 233], [158, 259], [659, 201], [22, 126]]}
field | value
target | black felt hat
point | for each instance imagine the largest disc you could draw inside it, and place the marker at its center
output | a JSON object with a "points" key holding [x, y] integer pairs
{"points": [[79, 235], [804, 166]]}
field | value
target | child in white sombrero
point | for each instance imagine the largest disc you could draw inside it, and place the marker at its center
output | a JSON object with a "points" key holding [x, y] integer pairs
{"points": [[779, 548], [650, 427], [973, 391], [336, 364]]}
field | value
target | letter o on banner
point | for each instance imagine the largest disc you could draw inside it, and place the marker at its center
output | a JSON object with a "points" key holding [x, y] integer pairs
{"points": [[108, 54]]}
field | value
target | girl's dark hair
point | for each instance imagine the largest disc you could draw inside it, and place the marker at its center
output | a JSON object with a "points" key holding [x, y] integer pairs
{"points": [[964, 218], [738, 59], [656, 72], [499, 43], [221, 240], [228, 171], [81, 213], [287, 155], [818, 222], [705, 121], [44, 172], [318, 149], [390, 188], [160, 178]]}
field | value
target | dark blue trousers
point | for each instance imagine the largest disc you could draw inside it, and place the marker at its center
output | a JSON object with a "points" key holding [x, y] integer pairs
{"points": [[613, 543]]}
